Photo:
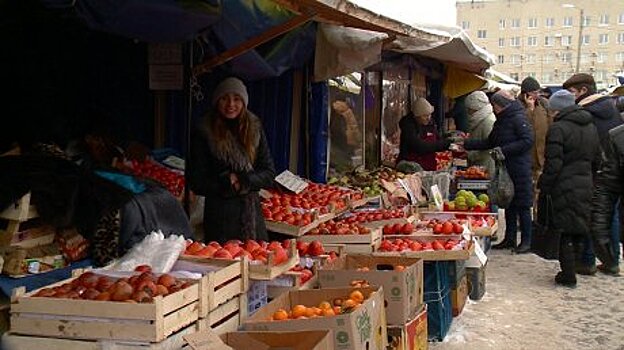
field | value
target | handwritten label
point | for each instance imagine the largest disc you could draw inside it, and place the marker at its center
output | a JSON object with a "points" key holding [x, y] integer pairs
{"points": [[437, 197], [291, 181]]}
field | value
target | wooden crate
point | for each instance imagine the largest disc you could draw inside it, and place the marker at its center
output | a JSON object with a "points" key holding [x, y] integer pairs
{"points": [[89, 319], [269, 270], [20, 211], [227, 317], [352, 243], [435, 255], [297, 231], [291, 280], [23, 342], [225, 279]]}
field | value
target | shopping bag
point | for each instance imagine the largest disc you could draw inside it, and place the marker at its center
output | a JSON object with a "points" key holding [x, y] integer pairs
{"points": [[501, 190], [545, 237]]}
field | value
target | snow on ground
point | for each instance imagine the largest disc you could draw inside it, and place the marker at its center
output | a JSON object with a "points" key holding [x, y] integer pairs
{"points": [[524, 309]]}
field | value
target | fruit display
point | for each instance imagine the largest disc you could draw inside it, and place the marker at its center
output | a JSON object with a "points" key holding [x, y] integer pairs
{"points": [[332, 227], [442, 227], [305, 273], [367, 216], [443, 160], [172, 180], [141, 287], [312, 249], [256, 251], [337, 306], [399, 229], [367, 181], [472, 173], [401, 245], [468, 201]]}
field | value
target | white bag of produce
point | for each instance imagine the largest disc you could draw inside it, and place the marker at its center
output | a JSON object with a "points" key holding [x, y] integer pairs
{"points": [[155, 250]]}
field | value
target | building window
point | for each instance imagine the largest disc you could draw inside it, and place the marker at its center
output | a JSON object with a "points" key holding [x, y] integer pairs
{"points": [[515, 23], [465, 25], [621, 18], [566, 40], [568, 21], [600, 76], [602, 57], [586, 21], [566, 57], [531, 74], [481, 33], [515, 59], [548, 59], [501, 59], [548, 41], [501, 42], [603, 39], [550, 22], [532, 22], [546, 77], [502, 24], [530, 58], [515, 41], [604, 20], [585, 39], [619, 57], [532, 41], [584, 58], [620, 38]]}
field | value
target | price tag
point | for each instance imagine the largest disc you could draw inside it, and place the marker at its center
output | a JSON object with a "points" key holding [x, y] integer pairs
{"points": [[479, 251], [291, 181], [437, 197]]}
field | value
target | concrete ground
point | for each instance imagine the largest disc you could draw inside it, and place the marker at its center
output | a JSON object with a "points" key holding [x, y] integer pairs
{"points": [[524, 309]]}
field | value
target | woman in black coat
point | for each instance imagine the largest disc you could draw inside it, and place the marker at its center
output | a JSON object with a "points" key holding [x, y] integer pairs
{"points": [[512, 136], [230, 162], [572, 148]]}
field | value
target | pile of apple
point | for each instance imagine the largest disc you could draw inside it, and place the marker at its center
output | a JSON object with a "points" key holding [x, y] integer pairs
{"points": [[171, 180], [374, 215], [401, 245], [255, 251], [482, 221], [305, 273], [332, 227], [399, 229], [141, 287], [325, 309]]}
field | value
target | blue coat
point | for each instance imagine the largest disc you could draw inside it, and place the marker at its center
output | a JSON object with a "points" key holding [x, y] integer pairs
{"points": [[513, 134]]}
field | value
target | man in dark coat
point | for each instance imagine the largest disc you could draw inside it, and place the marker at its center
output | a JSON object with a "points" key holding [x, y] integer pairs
{"points": [[572, 149], [605, 117], [513, 137], [608, 191]]}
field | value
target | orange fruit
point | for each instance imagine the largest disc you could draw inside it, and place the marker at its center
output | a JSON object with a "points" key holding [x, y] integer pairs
{"points": [[310, 312], [337, 310], [324, 305], [363, 269], [298, 310], [349, 303], [399, 268], [329, 312], [357, 296], [280, 315]]}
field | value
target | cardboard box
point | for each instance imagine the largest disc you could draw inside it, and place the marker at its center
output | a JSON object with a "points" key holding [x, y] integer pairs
{"points": [[363, 328], [412, 335], [404, 289], [300, 340], [459, 295]]}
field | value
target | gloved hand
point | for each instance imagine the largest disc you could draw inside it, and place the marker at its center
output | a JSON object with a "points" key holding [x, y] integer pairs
{"points": [[497, 153]]}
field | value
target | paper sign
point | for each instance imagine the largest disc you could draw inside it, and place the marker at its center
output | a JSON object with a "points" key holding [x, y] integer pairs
{"points": [[291, 181], [479, 251], [206, 340], [409, 191], [437, 197]]}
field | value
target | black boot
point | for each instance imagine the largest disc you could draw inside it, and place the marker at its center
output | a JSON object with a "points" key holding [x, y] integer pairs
{"points": [[567, 276], [523, 248], [504, 244], [605, 252], [564, 280]]}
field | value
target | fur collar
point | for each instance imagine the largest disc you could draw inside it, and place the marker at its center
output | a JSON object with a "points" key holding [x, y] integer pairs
{"points": [[231, 151]]}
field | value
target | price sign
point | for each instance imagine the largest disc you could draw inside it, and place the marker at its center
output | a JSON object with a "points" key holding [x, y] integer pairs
{"points": [[291, 181]]}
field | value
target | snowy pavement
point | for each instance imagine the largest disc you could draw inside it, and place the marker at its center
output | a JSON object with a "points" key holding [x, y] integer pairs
{"points": [[524, 309]]}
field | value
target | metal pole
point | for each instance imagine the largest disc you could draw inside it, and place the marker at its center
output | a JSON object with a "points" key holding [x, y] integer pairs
{"points": [[580, 41]]}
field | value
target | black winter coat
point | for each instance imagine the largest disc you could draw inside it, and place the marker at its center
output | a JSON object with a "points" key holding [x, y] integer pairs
{"points": [[514, 135], [609, 186], [606, 116], [572, 147], [229, 214], [419, 143]]}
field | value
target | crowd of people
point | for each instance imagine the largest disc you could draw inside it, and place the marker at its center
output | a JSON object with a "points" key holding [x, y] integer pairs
{"points": [[565, 150]]}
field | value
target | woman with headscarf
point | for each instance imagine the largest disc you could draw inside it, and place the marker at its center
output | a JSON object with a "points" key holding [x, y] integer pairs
{"points": [[480, 122], [230, 162]]}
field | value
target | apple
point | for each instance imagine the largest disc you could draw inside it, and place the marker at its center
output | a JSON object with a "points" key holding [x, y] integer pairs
{"points": [[315, 248]]}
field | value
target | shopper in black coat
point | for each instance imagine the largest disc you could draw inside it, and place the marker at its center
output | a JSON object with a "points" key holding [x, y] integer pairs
{"points": [[230, 162], [513, 137], [572, 150]]}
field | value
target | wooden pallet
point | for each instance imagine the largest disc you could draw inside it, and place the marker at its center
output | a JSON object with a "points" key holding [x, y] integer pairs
{"points": [[94, 320], [23, 342], [227, 317]]}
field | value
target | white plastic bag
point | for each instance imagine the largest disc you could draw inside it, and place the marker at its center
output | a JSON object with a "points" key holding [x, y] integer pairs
{"points": [[155, 250]]}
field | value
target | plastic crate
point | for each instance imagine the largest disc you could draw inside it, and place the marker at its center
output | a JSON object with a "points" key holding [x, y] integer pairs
{"points": [[438, 299]]}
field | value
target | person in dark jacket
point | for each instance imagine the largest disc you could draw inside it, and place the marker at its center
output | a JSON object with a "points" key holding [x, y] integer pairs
{"points": [[513, 137], [419, 138], [229, 163], [605, 117], [609, 188], [572, 149]]}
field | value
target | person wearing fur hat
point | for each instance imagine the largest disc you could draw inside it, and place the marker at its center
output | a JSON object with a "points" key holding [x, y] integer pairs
{"points": [[480, 122], [572, 150], [605, 117], [229, 163], [419, 138], [512, 136]]}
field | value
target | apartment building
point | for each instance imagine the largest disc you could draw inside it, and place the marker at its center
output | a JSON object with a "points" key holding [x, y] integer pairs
{"points": [[549, 39]]}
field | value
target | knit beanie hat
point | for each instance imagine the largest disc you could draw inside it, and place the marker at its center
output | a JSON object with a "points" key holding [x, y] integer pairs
{"points": [[502, 99], [529, 84], [476, 100], [421, 107], [579, 78], [230, 85], [560, 100]]}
